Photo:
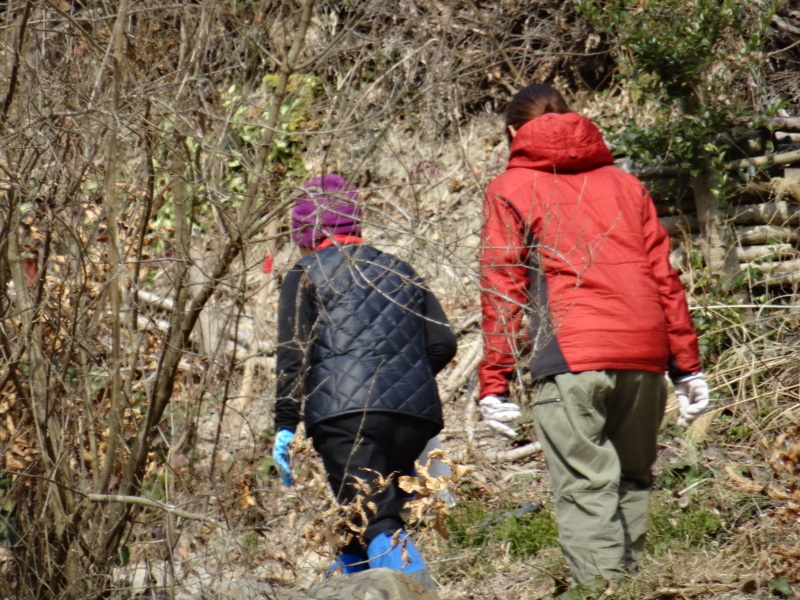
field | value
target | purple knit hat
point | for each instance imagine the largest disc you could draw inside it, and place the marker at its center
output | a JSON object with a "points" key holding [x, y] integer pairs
{"points": [[329, 207]]}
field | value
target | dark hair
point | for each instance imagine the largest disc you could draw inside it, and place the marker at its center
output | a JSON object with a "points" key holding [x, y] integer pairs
{"points": [[534, 101]]}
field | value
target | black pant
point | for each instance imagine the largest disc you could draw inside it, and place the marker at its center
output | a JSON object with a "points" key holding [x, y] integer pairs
{"points": [[384, 444]]}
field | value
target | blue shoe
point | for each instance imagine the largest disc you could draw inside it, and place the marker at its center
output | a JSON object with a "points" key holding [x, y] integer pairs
{"points": [[348, 564], [382, 553]]}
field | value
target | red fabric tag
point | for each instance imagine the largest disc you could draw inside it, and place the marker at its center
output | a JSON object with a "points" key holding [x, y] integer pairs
{"points": [[267, 267]]}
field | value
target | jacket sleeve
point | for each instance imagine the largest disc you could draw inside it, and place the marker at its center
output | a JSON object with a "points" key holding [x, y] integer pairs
{"points": [[441, 343], [296, 318], [683, 346], [504, 283]]}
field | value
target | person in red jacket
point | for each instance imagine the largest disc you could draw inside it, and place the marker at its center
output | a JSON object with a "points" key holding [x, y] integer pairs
{"points": [[572, 245]]}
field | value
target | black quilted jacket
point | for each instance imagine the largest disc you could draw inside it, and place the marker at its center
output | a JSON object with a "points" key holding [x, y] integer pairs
{"points": [[358, 332]]}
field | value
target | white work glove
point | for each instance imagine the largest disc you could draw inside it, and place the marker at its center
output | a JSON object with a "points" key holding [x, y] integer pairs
{"points": [[693, 398], [499, 414]]}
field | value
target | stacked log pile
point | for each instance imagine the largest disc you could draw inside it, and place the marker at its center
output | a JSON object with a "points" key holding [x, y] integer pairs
{"points": [[763, 207]]}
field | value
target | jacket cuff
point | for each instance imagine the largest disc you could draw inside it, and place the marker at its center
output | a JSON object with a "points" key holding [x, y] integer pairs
{"points": [[287, 414], [676, 374], [687, 377]]}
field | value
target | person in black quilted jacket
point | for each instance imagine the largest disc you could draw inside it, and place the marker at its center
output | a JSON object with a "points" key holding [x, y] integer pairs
{"points": [[360, 340]]}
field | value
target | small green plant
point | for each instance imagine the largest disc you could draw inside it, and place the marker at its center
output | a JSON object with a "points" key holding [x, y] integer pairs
{"points": [[593, 591], [781, 587], [683, 474], [529, 535], [741, 432], [467, 525], [693, 527], [471, 526], [250, 540]]}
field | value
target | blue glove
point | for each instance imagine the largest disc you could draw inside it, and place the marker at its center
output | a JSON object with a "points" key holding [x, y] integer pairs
{"points": [[280, 453]]}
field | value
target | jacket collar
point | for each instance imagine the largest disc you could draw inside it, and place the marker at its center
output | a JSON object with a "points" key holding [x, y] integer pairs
{"points": [[339, 240]]}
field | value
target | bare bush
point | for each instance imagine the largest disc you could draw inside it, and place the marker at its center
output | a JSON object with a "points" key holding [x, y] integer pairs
{"points": [[118, 180], [145, 148]]}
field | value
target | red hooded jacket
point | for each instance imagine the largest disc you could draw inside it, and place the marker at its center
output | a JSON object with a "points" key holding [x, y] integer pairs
{"points": [[573, 245]]}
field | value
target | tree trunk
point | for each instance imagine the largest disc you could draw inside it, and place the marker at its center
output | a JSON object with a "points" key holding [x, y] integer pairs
{"points": [[717, 240]]}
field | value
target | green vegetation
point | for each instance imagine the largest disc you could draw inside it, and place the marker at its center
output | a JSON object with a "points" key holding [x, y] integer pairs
{"points": [[693, 528], [472, 526], [687, 61], [247, 115]]}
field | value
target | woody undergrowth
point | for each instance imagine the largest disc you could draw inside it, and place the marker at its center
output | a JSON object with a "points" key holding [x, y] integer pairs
{"points": [[725, 504]]}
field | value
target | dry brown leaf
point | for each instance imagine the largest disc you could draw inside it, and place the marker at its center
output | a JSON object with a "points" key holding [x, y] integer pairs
{"points": [[741, 483]]}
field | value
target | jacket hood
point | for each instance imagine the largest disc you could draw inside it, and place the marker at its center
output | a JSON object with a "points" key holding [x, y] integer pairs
{"points": [[566, 143]]}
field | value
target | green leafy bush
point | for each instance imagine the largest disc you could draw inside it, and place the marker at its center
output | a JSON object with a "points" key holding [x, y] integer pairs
{"points": [[690, 60], [248, 115]]}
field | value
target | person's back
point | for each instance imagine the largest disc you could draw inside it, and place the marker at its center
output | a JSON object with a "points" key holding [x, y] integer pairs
{"points": [[369, 351], [598, 249]]}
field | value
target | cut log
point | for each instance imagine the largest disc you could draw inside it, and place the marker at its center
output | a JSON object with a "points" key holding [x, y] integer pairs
{"points": [[463, 371], [747, 143], [680, 261], [788, 271], [748, 254], [242, 336], [776, 189], [751, 235], [786, 187], [155, 301], [465, 326], [754, 243], [514, 453], [778, 268], [784, 123], [785, 158], [145, 323], [787, 138], [752, 193], [768, 213], [680, 224]]}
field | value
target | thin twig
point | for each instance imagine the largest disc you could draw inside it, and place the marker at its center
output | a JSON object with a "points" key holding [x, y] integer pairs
{"points": [[13, 77], [141, 501]]}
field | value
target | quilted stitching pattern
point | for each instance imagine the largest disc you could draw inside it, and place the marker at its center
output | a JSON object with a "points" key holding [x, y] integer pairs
{"points": [[369, 350]]}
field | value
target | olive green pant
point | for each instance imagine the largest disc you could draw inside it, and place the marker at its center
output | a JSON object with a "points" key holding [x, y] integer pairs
{"points": [[598, 434]]}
